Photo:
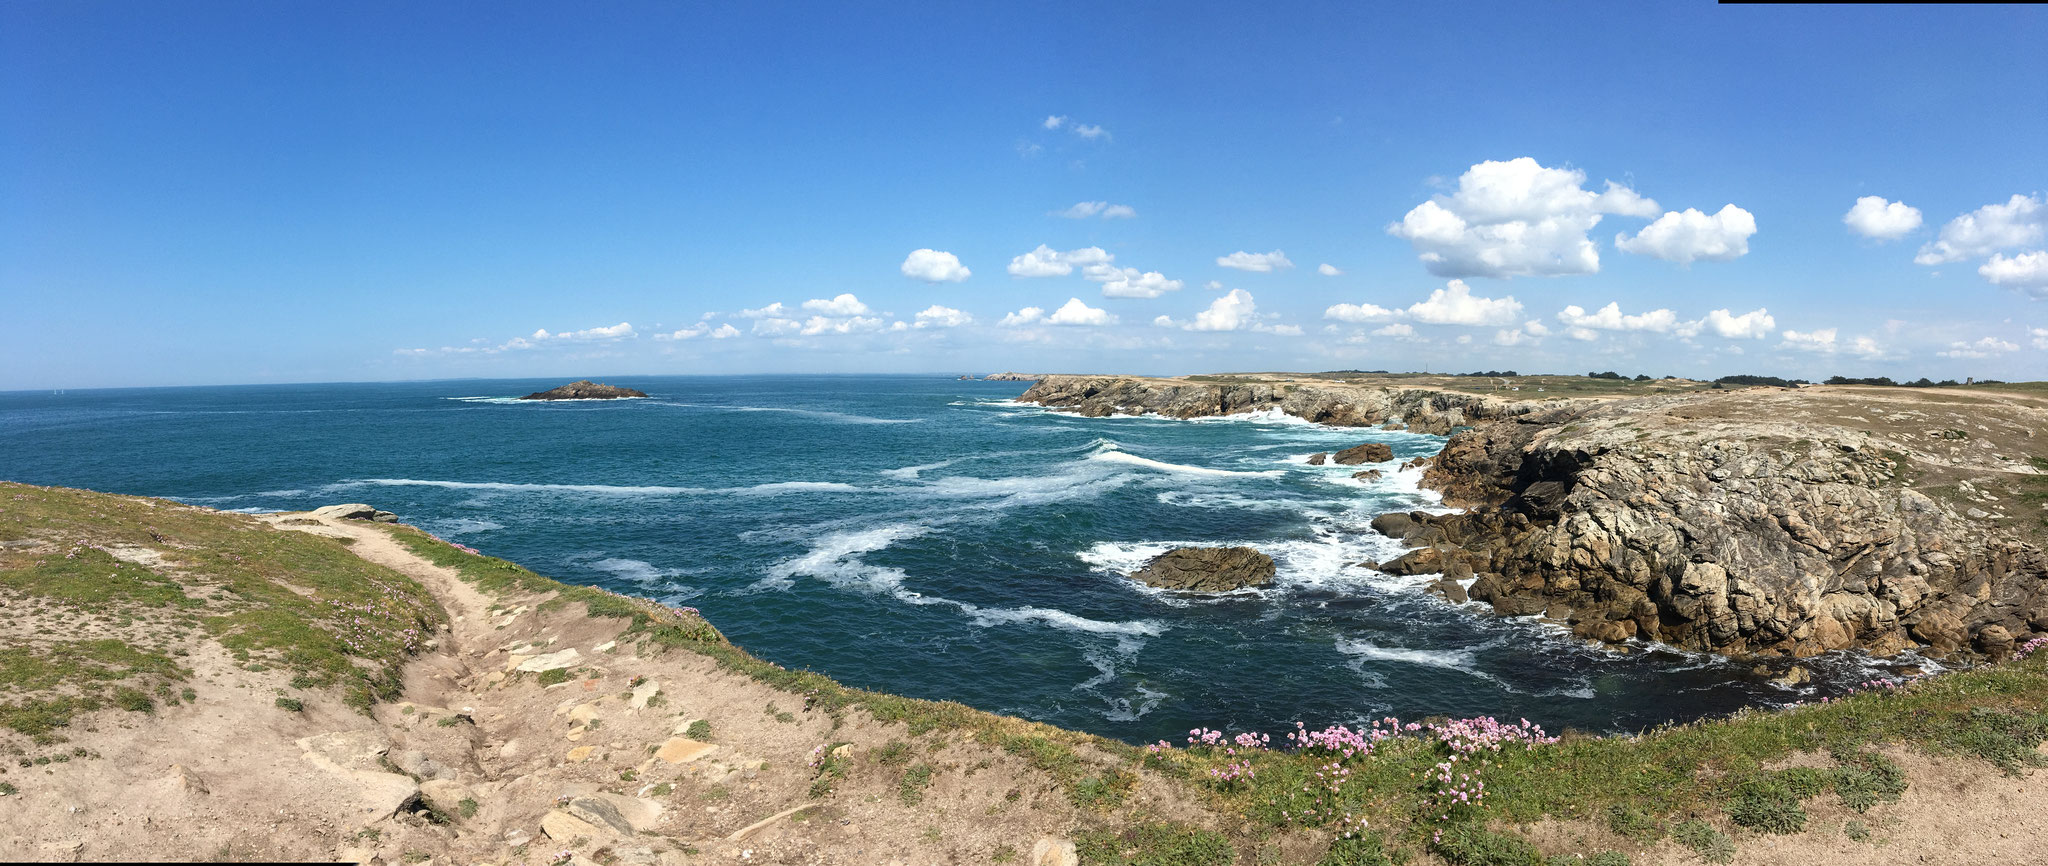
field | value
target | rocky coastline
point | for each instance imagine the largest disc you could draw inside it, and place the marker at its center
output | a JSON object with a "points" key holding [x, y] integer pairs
{"points": [[1756, 521], [584, 389]]}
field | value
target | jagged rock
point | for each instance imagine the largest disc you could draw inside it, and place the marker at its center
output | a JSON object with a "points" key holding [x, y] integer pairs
{"points": [[1795, 676], [1012, 377], [562, 827], [1370, 452], [1368, 475], [584, 389], [1451, 590], [354, 511], [551, 661], [1048, 851], [599, 813], [1994, 641], [1318, 458], [1334, 404], [1207, 569]]}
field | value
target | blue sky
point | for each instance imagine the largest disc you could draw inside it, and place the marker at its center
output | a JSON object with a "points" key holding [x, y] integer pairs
{"points": [[264, 192]]}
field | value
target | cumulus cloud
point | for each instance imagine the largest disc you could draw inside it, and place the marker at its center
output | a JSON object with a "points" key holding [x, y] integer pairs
{"points": [[1515, 218], [1755, 324], [1874, 217], [1455, 305], [1257, 262], [770, 311], [1983, 348], [701, 329], [776, 326], [2020, 221], [1235, 311], [1328, 270], [1822, 341], [936, 316], [1103, 209], [1053, 121], [1129, 283], [2027, 272], [1401, 330], [2040, 336], [1091, 131], [1213, 285], [933, 266], [1073, 312], [1689, 236], [1026, 316], [820, 325], [843, 305], [1048, 262], [1536, 328], [620, 331], [1610, 318], [1506, 337], [1359, 313]]}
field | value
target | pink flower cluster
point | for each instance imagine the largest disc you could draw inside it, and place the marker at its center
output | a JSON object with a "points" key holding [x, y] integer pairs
{"points": [[1233, 771], [2029, 648], [1470, 742]]}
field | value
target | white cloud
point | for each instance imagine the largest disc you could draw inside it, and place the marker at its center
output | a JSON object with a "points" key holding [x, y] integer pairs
{"points": [[1511, 338], [1103, 209], [620, 331], [933, 266], [1026, 316], [1755, 324], [1257, 262], [2019, 222], [722, 332], [1610, 318], [1515, 218], [1053, 121], [1073, 312], [817, 325], [770, 311], [1536, 327], [1090, 131], [1359, 313], [1328, 270], [936, 316], [1823, 341], [1213, 285], [1689, 236], [1398, 329], [2040, 336], [1983, 348], [1455, 305], [1873, 217], [843, 305], [1048, 262], [775, 326], [1129, 283], [1586, 334], [2027, 272], [1231, 312]]}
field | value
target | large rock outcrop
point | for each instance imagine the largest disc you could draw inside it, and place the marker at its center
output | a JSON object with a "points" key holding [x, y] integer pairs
{"points": [[584, 389], [1207, 569], [1727, 523], [1334, 403]]}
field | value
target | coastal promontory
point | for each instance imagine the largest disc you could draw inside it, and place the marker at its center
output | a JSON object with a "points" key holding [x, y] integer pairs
{"points": [[584, 389]]}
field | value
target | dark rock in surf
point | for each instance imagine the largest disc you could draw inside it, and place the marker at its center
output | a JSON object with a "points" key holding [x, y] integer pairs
{"points": [[1370, 452], [584, 389], [1318, 459], [1207, 569]]}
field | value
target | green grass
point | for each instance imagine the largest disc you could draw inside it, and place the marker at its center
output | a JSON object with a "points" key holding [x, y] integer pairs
{"points": [[272, 598], [699, 730], [915, 779], [1154, 844]]}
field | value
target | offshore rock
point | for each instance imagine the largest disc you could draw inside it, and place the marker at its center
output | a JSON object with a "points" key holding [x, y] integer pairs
{"points": [[1207, 569], [584, 389], [1370, 452]]}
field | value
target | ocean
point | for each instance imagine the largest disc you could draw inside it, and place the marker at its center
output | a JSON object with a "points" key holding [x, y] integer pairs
{"points": [[918, 535]]}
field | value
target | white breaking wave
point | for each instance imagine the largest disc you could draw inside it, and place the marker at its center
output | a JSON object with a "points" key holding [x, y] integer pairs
{"points": [[279, 493], [462, 526], [635, 570], [1457, 660], [1111, 452], [1060, 619], [823, 414], [910, 473]]}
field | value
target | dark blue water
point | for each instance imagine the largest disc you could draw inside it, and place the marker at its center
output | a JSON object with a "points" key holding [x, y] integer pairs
{"points": [[923, 536]]}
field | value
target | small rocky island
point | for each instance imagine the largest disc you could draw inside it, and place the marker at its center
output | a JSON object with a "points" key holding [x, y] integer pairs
{"points": [[1207, 569], [584, 389]]}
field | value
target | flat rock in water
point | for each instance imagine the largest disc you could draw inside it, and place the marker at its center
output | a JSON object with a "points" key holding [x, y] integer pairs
{"points": [[584, 389], [1207, 569], [1370, 452]]}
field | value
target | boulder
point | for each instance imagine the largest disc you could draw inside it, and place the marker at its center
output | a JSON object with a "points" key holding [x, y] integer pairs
{"points": [[354, 511], [1207, 569], [584, 389], [600, 813], [562, 827], [1318, 458], [1048, 851], [1370, 452], [1368, 475], [1451, 590], [1994, 641]]}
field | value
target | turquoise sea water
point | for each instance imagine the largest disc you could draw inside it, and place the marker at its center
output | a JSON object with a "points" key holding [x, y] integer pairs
{"points": [[918, 535]]}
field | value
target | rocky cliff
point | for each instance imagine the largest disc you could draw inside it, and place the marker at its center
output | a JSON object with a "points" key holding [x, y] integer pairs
{"points": [[1790, 521], [1758, 521], [1343, 405]]}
